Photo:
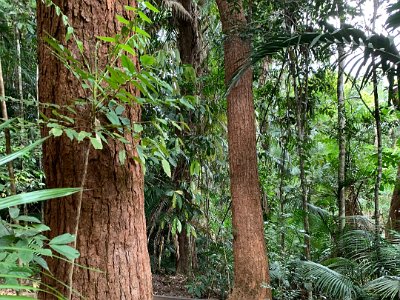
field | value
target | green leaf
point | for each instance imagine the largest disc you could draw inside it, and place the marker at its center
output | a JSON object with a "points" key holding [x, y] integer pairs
{"points": [[137, 128], [23, 151], [14, 212], [130, 8], [147, 60], [128, 63], [80, 45], [128, 49], [41, 262], [56, 131], [67, 251], [144, 17], [106, 39], [122, 156], [96, 143], [63, 239], [82, 135], [36, 196], [28, 219], [6, 123], [70, 31], [151, 7], [122, 20], [166, 167]]}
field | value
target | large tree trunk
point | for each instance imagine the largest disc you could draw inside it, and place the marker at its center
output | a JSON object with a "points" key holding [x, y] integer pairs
{"points": [[112, 229], [251, 264]]}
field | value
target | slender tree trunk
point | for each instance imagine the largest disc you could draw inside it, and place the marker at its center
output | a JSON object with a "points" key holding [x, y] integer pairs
{"points": [[379, 150], [19, 73], [341, 135], [7, 134], [112, 229], [300, 123], [250, 260], [281, 196], [189, 45]]}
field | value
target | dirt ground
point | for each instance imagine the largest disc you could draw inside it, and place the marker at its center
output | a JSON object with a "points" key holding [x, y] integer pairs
{"points": [[170, 285]]}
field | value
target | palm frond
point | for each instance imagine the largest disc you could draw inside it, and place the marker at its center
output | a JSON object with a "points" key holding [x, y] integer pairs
{"points": [[386, 287], [330, 282]]}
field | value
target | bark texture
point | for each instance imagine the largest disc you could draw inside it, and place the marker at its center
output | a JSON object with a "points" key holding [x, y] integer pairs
{"points": [[250, 260], [394, 211], [112, 229]]}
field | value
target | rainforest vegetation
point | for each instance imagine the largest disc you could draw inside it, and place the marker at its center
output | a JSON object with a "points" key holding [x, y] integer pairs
{"points": [[222, 149]]}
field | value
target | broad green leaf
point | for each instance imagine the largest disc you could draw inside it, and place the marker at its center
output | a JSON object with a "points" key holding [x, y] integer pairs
{"points": [[14, 212], [147, 60], [96, 143], [36, 196], [82, 135], [63, 239], [41, 262], [166, 167], [137, 127], [56, 131], [67, 251], [23, 151]]}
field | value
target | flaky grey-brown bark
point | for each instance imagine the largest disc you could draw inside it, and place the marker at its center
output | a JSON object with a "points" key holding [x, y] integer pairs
{"points": [[112, 230], [250, 260]]}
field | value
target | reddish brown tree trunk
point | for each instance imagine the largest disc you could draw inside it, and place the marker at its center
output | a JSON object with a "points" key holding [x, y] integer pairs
{"points": [[251, 264], [394, 211], [112, 229]]}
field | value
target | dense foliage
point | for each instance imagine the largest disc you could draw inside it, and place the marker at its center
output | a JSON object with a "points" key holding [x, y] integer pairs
{"points": [[183, 143]]}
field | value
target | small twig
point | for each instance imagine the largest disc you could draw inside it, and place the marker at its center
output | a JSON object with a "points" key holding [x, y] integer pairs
{"points": [[77, 220]]}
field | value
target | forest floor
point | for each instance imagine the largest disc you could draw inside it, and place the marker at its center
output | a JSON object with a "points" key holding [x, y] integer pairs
{"points": [[170, 285]]}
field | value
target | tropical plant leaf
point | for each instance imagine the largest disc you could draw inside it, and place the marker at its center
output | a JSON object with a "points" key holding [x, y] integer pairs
{"points": [[36, 196], [329, 281], [386, 287], [23, 151]]}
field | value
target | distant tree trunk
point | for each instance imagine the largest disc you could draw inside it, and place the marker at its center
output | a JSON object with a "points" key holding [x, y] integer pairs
{"points": [[378, 127], [341, 132], [189, 45], [19, 72], [4, 115], [112, 229], [250, 260], [300, 98]]}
